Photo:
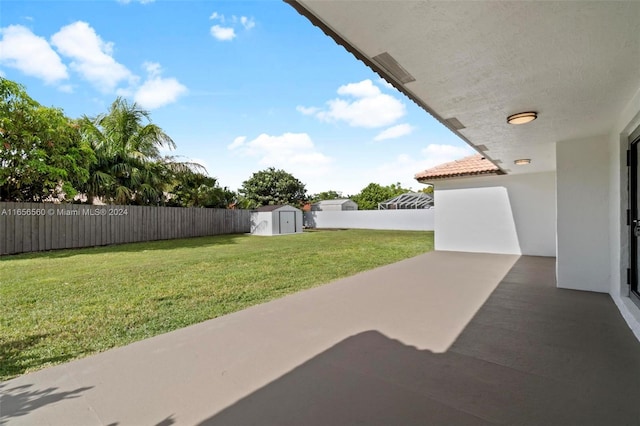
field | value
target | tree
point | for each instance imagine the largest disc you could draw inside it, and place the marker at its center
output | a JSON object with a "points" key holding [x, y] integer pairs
{"points": [[427, 190], [273, 187], [193, 189], [129, 167], [374, 193], [42, 155], [326, 195]]}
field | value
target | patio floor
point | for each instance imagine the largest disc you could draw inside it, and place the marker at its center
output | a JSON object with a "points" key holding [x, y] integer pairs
{"points": [[444, 338]]}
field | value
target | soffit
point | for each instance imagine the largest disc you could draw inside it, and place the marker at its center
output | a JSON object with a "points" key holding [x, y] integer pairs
{"points": [[576, 63]]}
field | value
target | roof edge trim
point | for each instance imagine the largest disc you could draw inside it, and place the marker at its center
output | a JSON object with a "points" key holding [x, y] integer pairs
{"points": [[459, 176]]}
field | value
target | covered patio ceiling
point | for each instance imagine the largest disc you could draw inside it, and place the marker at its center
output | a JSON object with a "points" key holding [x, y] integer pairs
{"points": [[472, 64]]}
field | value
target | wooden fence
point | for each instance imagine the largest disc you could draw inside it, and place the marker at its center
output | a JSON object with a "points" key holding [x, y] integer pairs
{"points": [[29, 227]]}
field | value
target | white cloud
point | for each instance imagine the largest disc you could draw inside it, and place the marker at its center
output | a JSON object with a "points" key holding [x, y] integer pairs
{"points": [[200, 161], [293, 152], [370, 108], [363, 89], [126, 92], [436, 154], [66, 88], [237, 142], [403, 168], [157, 91], [307, 111], [373, 112], [153, 69], [30, 54], [223, 33], [247, 23], [394, 132], [91, 57], [228, 32], [218, 16]]}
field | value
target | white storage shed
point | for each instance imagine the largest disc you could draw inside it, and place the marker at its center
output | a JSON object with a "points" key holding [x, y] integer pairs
{"points": [[334, 205], [276, 220]]}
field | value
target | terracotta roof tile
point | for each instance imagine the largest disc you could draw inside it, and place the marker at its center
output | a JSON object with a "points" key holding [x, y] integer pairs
{"points": [[468, 166]]}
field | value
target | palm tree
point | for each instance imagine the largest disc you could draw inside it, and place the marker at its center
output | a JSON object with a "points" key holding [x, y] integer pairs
{"points": [[130, 168]]}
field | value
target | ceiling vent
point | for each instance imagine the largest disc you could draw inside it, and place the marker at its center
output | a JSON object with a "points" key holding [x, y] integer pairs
{"points": [[454, 123], [392, 66]]}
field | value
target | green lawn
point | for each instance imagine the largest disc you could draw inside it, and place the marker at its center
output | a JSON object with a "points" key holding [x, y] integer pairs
{"points": [[61, 305]]}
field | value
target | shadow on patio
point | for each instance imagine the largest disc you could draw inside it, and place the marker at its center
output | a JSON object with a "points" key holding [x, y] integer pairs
{"points": [[533, 354]]}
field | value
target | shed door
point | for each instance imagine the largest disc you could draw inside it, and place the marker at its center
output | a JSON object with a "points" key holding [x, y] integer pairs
{"points": [[287, 222]]}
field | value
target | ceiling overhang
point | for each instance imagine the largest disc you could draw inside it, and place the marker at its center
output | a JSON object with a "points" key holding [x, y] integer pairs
{"points": [[472, 64]]}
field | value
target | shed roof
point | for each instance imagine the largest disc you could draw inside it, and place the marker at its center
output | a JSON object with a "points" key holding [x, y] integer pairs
{"points": [[472, 165], [271, 208]]}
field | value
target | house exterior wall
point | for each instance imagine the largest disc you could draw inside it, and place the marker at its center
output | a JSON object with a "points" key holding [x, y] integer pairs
{"points": [[587, 197], [583, 214], [509, 214], [592, 191]]}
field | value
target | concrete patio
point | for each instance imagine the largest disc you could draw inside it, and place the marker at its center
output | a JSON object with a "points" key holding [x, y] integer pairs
{"points": [[445, 338]]}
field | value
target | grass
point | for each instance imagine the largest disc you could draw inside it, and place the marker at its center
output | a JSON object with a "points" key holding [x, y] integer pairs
{"points": [[62, 305]]}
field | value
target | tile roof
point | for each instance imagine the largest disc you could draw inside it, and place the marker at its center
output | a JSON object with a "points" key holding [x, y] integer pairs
{"points": [[469, 166]]}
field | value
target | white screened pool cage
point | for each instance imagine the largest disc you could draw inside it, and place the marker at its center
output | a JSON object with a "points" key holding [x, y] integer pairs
{"points": [[410, 200]]}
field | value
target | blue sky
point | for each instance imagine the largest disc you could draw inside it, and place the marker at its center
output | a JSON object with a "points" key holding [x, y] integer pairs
{"points": [[239, 85]]}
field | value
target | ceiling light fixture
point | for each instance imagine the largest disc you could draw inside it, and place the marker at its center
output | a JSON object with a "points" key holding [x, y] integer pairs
{"points": [[522, 161], [522, 117]]}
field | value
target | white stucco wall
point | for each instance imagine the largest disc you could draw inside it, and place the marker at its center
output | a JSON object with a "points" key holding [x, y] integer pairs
{"points": [[583, 214], [402, 220], [511, 214]]}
